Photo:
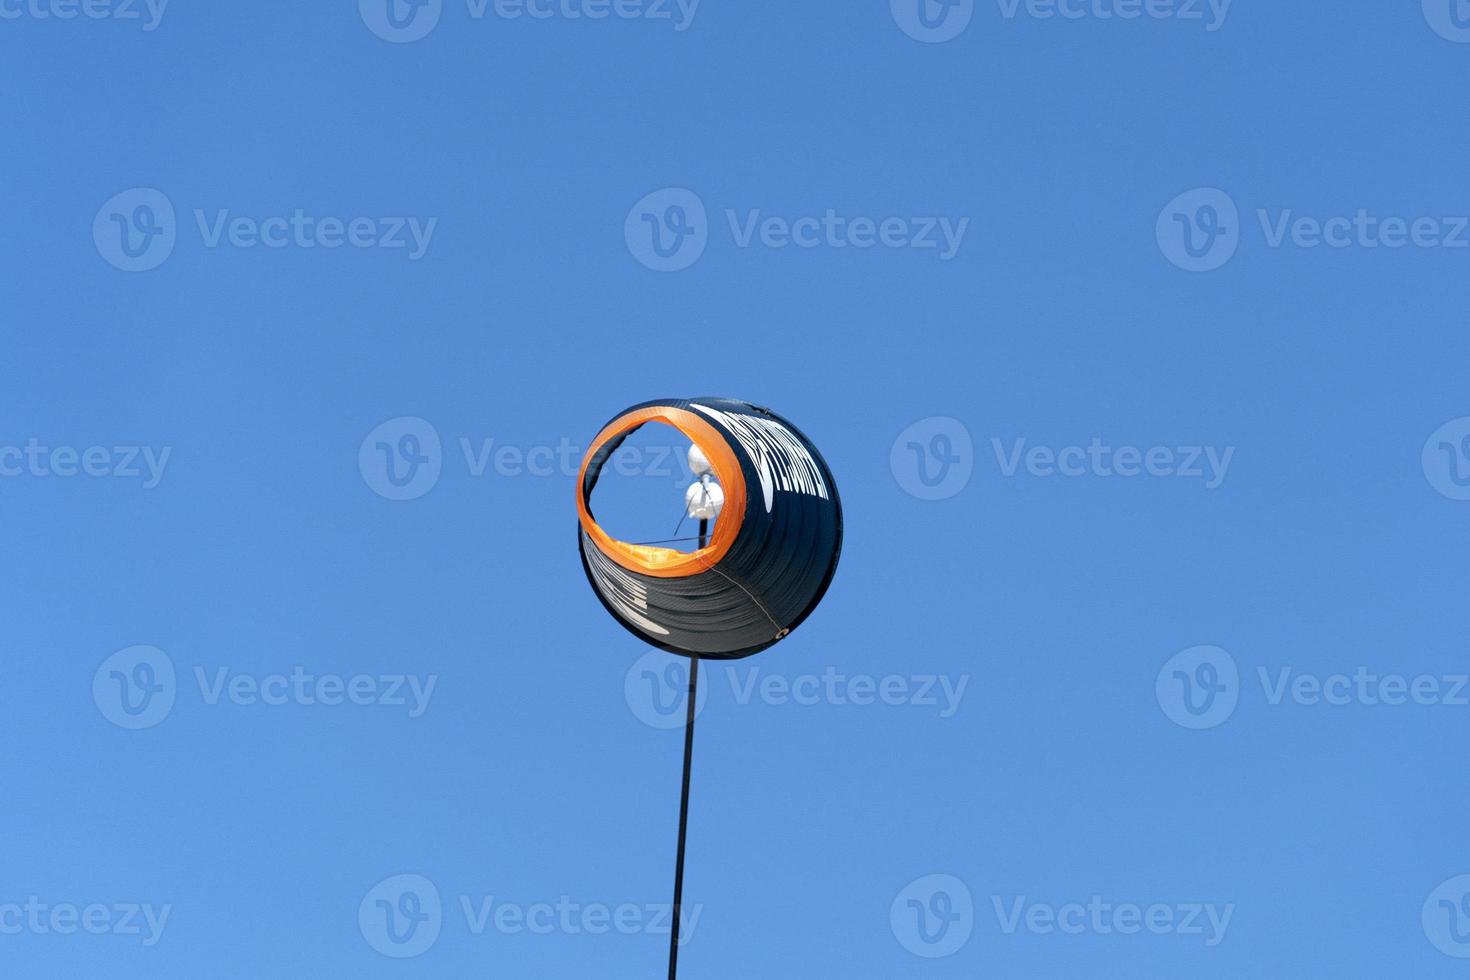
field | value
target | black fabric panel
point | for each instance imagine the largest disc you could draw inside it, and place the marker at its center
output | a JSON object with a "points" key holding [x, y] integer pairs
{"points": [[774, 574]]}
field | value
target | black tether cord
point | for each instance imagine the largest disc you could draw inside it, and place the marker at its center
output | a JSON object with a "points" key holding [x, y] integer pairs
{"points": [[683, 819], [684, 797]]}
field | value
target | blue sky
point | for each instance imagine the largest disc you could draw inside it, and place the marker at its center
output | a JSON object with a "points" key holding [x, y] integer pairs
{"points": [[1133, 333]]}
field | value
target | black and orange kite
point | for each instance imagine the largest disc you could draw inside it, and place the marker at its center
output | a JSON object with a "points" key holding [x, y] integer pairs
{"points": [[772, 554]]}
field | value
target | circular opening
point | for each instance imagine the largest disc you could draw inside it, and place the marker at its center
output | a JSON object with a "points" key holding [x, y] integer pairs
{"points": [[657, 560], [649, 495]]}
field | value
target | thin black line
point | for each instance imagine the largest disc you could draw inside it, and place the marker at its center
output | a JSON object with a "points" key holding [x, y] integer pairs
{"points": [[683, 816]]}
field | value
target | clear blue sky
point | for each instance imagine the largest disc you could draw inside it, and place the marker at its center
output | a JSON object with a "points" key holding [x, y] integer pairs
{"points": [[1108, 276]]}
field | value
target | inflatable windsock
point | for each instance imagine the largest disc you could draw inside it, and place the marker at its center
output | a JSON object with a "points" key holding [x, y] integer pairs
{"points": [[774, 545]]}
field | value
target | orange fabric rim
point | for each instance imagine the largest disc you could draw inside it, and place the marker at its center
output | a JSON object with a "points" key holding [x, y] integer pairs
{"points": [[667, 562]]}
